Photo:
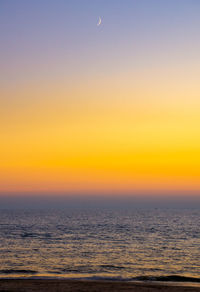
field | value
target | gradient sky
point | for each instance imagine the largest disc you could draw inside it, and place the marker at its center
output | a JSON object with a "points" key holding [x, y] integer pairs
{"points": [[109, 108]]}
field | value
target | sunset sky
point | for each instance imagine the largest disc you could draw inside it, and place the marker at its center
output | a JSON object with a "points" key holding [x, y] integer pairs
{"points": [[96, 109]]}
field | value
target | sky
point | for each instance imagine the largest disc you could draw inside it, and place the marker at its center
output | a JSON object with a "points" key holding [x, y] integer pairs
{"points": [[113, 108]]}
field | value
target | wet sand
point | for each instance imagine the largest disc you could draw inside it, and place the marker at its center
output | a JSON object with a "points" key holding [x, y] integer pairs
{"points": [[19, 285]]}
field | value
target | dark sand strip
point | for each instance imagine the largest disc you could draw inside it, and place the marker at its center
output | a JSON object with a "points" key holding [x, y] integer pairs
{"points": [[29, 285]]}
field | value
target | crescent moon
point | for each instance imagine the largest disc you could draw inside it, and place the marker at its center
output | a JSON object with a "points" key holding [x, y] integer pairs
{"points": [[99, 22]]}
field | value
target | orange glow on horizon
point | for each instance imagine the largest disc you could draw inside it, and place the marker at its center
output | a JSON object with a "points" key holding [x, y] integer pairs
{"points": [[118, 112]]}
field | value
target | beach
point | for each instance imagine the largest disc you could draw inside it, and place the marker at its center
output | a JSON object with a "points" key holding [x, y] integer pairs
{"points": [[100, 145], [32, 285]]}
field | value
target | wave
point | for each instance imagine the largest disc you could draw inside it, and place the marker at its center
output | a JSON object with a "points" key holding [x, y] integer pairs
{"points": [[11, 271], [168, 278], [112, 267], [172, 278], [35, 235]]}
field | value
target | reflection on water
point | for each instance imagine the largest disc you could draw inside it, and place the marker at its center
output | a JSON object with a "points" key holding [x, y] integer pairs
{"points": [[142, 243]]}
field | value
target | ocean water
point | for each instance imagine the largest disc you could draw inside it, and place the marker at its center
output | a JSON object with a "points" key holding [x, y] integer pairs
{"points": [[101, 243]]}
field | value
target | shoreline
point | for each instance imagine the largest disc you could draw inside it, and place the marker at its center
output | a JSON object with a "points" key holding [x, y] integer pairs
{"points": [[162, 280], [71, 285]]}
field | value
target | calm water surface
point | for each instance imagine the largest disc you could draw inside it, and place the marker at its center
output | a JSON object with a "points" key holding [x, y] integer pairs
{"points": [[101, 243]]}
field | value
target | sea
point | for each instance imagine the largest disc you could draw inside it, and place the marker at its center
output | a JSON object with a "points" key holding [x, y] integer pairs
{"points": [[132, 243]]}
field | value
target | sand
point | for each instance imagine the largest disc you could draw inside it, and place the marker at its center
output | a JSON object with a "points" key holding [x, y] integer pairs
{"points": [[30, 285]]}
